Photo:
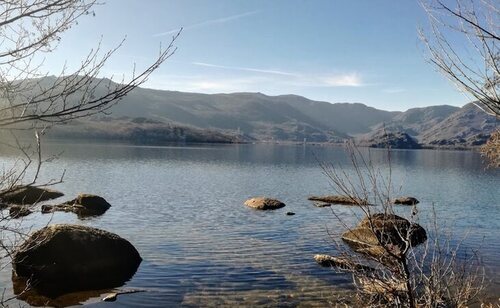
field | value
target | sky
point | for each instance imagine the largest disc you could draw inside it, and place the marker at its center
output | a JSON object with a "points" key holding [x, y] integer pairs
{"points": [[362, 51]]}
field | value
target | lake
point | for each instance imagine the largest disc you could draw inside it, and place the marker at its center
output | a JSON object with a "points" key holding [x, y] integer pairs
{"points": [[182, 208]]}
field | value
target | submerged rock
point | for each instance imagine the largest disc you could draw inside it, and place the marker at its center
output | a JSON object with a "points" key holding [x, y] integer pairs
{"points": [[261, 203], [111, 297], [83, 205], [64, 258], [406, 201], [341, 263], [336, 199], [379, 232], [28, 195], [18, 211], [321, 204]]}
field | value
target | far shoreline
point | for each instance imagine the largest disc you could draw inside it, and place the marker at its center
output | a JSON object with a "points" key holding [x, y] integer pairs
{"points": [[133, 142]]}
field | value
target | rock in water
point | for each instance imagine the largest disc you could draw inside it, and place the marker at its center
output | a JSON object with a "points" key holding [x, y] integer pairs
{"points": [[385, 229], [28, 195], [261, 203], [18, 211], [64, 258], [321, 204], [92, 203], [111, 297], [342, 263], [406, 201], [83, 205], [322, 201]]}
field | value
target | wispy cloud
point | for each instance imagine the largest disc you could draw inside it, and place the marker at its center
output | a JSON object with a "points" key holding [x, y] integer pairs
{"points": [[277, 84], [344, 80], [351, 79], [393, 90], [247, 69], [207, 23], [205, 84]]}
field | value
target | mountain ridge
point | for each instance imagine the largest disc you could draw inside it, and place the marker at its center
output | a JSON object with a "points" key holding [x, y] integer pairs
{"points": [[288, 117]]}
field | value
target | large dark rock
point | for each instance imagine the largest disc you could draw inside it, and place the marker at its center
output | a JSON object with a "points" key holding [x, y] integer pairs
{"points": [[28, 195], [380, 232], [336, 199], [261, 203], [83, 205], [60, 259]]}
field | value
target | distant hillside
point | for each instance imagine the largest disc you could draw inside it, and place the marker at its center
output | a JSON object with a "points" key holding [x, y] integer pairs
{"points": [[140, 130], [469, 126], [418, 120], [284, 117], [396, 140], [440, 126], [147, 114]]}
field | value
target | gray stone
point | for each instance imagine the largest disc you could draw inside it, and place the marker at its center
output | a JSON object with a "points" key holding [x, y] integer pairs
{"points": [[262, 203], [28, 195]]}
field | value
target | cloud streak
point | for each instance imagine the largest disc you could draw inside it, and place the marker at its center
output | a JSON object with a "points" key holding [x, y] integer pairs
{"points": [[207, 23], [393, 90], [344, 80], [335, 80], [246, 69]]}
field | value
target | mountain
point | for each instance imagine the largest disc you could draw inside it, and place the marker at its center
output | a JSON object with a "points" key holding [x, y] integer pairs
{"points": [[148, 114], [140, 130], [439, 126], [469, 126], [284, 117], [418, 120]]}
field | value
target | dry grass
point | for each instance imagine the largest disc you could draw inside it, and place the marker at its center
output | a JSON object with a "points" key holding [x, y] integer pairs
{"points": [[491, 150]]}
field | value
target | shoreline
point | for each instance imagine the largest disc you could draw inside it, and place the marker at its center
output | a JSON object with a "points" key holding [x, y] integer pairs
{"points": [[281, 142]]}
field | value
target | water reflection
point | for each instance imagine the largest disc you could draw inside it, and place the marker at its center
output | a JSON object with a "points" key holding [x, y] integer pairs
{"points": [[182, 208], [31, 296]]}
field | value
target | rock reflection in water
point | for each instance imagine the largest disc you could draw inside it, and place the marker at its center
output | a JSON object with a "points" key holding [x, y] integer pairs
{"points": [[34, 298]]}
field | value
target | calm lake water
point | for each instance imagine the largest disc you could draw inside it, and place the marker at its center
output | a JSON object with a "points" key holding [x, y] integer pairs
{"points": [[182, 208]]}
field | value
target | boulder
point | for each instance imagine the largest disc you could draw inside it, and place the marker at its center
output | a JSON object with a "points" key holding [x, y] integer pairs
{"points": [[64, 258], [380, 230], [261, 203], [337, 199], [406, 201], [83, 205], [18, 211], [28, 195]]}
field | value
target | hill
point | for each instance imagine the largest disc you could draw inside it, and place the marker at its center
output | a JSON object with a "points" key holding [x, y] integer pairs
{"points": [[284, 117], [148, 114]]}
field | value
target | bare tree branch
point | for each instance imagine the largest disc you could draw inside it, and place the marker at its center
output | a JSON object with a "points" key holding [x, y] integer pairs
{"points": [[463, 44]]}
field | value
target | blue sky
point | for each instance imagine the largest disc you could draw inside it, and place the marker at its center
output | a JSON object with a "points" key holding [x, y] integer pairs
{"points": [[332, 50]]}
